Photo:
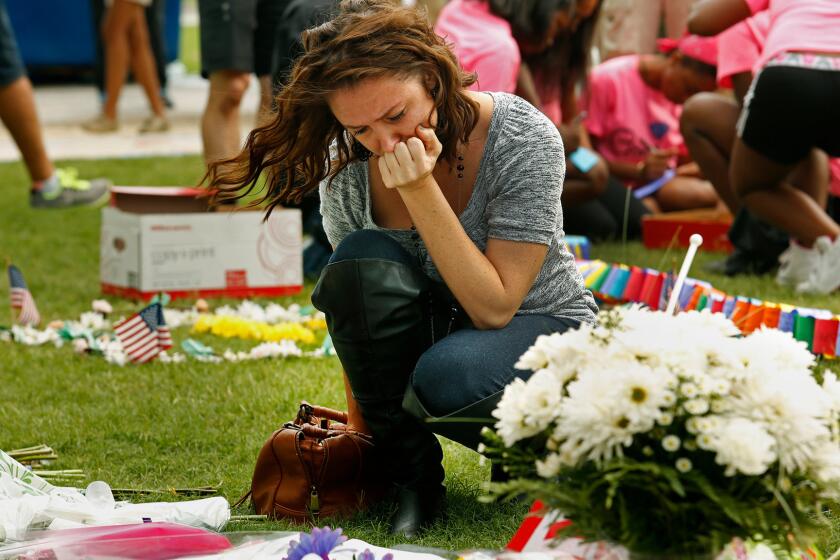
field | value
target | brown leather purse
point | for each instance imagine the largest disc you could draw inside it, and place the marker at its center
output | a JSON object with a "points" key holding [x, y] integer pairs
{"points": [[316, 466]]}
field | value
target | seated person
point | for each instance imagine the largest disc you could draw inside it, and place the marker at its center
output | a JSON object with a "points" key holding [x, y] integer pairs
{"points": [[708, 124], [513, 45], [633, 105], [443, 205], [790, 110]]}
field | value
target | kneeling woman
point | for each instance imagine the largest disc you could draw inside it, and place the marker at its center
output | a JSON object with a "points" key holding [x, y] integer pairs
{"points": [[443, 206]]}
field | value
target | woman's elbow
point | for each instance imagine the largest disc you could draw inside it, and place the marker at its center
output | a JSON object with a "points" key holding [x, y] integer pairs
{"points": [[493, 320]]}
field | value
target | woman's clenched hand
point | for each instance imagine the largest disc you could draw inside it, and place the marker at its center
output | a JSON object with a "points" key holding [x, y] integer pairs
{"points": [[412, 161]]}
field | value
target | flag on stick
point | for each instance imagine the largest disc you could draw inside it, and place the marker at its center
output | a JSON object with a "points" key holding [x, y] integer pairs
{"points": [[144, 335], [21, 299]]}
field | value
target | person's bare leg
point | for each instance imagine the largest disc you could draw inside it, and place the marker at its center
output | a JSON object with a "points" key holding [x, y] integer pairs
{"points": [[708, 127], [266, 100], [220, 122], [143, 62], [686, 193], [18, 113], [580, 187], [812, 177], [758, 181], [115, 31]]}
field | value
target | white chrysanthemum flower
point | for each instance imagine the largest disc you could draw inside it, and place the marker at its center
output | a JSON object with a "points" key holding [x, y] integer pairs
{"points": [[534, 357], [510, 413], [683, 464], [742, 446], [704, 425], [826, 467], [720, 406], [550, 466], [605, 408], [721, 386], [832, 388], [707, 325], [530, 407], [705, 441], [791, 406], [665, 419], [724, 359], [696, 406], [771, 349], [670, 443], [566, 353], [689, 390]]}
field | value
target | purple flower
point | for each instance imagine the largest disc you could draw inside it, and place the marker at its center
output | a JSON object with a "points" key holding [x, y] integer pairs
{"points": [[368, 555], [320, 542]]}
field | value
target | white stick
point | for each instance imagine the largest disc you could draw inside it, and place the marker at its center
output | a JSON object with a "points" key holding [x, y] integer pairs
{"points": [[694, 242]]}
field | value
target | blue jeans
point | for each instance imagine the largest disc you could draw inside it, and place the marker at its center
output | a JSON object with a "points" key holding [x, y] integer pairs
{"points": [[455, 374]]}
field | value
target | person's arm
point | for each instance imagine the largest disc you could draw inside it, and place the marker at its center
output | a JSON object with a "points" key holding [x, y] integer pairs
{"points": [[650, 169], [490, 286], [710, 17], [571, 130]]}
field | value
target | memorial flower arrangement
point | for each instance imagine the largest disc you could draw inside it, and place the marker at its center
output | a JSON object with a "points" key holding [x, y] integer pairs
{"points": [[671, 435]]}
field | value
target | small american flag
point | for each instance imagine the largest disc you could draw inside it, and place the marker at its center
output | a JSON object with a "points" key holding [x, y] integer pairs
{"points": [[21, 298], [144, 335]]}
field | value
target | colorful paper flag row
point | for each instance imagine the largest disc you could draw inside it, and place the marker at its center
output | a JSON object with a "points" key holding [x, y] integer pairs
{"points": [[618, 283]]}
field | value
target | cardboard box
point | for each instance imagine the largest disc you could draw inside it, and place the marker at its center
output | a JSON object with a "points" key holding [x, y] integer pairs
{"points": [[660, 230], [146, 248]]}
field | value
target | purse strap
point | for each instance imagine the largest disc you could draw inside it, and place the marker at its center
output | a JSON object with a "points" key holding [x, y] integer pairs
{"points": [[307, 411], [310, 430]]}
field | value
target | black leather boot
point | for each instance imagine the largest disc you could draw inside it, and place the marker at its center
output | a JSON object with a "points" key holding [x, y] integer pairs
{"points": [[377, 312]]}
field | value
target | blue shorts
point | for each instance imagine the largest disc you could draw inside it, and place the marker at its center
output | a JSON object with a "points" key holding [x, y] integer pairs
{"points": [[11, 64]]}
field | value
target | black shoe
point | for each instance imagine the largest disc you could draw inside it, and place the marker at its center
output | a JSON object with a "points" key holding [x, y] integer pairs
{"points": [[416, 509]]}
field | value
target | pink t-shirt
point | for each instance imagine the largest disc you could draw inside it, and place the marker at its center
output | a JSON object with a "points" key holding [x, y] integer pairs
{"points": [[551, 101], [799, 26], [483, 43], [627, 117], [834, 185], [739, 47]]}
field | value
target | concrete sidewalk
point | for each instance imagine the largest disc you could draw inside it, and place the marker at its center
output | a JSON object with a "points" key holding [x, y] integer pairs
{"points": [[62, 109]]}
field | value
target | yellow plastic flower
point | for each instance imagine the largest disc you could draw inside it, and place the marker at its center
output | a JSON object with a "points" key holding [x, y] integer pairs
{"points": [[236, 327]]}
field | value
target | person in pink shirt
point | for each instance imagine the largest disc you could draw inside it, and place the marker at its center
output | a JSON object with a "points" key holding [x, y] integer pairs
{"points": [[790, 109], [502, 41], [633, 105], [708, 125]]}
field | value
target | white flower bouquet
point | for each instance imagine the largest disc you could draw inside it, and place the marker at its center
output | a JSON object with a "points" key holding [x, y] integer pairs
{"points": [[671, 435]]}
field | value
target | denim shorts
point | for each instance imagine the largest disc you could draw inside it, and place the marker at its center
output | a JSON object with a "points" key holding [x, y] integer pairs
{"points": [[239, 35]]}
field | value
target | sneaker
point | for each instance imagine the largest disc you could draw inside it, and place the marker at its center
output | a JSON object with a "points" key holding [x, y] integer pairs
{"points": [[795, 264], [101, 125], [72, 191], [825, 274], [154, 123]]}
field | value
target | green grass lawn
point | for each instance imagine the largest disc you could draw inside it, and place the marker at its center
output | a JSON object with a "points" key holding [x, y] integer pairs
{"points": [[191, 424]]}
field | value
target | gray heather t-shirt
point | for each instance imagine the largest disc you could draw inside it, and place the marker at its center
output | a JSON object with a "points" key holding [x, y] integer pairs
{"points": [[516, 197]]}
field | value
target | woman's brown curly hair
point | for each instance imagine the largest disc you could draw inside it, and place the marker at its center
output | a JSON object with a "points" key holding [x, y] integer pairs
{"points": [[367, 39]]}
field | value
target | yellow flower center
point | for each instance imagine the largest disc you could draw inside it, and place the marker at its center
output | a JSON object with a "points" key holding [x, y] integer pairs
{"points": [[638, 395]]}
